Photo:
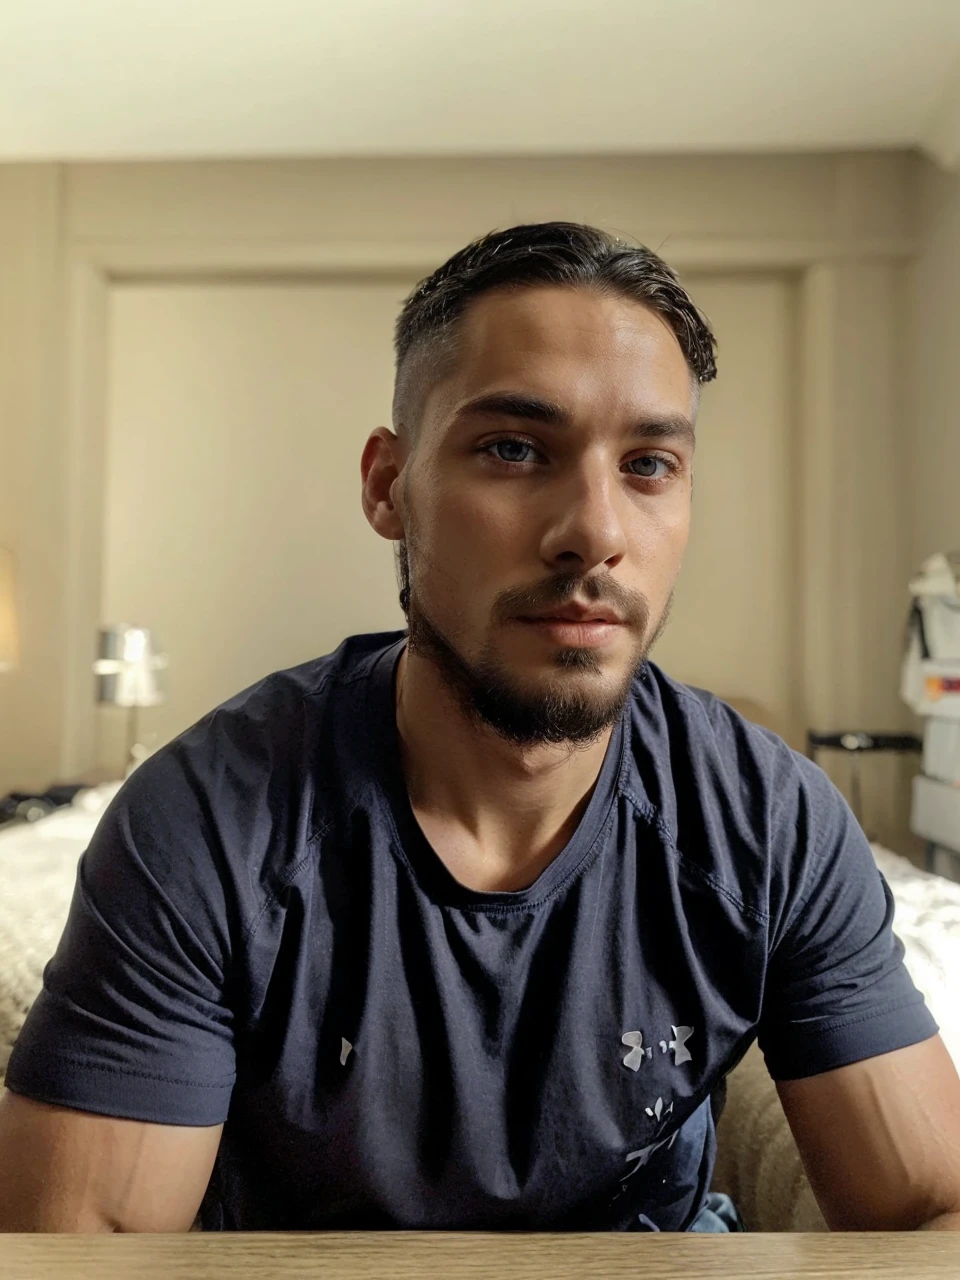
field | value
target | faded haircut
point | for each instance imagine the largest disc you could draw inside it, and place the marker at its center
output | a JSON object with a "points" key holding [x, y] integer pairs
{"points": [[542, 254]]}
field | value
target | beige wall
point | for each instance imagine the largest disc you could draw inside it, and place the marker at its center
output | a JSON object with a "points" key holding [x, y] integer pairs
{"points": [[931, 423], [842, 223], [32, 467], [236, 414]]}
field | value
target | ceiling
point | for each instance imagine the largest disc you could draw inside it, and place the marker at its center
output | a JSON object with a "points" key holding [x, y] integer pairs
{"points": [[166, 78]]}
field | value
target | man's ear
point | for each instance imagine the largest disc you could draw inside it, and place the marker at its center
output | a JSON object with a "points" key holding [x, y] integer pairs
{"points": [[381, 463]]}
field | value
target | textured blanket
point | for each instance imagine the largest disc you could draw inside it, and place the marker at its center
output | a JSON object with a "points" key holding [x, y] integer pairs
{"points": [[38, 867]]}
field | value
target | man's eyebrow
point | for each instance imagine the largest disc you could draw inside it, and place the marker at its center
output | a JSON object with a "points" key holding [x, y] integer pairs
{"points": [[673, 426], [515, 404]]}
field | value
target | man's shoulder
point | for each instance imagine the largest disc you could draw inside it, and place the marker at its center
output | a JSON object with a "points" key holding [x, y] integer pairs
{"points": [[280, 715], [666, 711], [734, 798], [284, 722], [277, 697], [260, 773]]}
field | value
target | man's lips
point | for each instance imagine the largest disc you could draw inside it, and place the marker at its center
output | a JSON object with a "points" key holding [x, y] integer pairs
{"points": [[580, 628], [575, 615]]}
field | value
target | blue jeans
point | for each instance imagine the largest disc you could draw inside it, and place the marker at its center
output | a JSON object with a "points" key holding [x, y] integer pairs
{"points": [[718, 1214]]}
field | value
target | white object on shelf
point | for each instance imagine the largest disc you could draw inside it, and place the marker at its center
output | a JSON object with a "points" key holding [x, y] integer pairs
{"points": [[941, 750], [930, 673], [939, 576], [931, 688], [935, 815]]}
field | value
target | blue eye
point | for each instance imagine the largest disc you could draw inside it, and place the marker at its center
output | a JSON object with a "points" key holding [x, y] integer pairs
{"points": [[511, 450], [646, 467]]}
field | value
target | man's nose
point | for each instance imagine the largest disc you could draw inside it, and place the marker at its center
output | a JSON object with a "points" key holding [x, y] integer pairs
{"points": [[587, 531]]}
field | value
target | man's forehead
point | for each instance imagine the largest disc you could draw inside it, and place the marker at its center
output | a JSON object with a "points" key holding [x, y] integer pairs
{"points": [[547, 337], [550, 316]]}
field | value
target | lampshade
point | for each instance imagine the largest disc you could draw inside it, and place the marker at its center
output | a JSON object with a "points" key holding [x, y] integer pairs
{"points": [[9, 638], [129, 669]]}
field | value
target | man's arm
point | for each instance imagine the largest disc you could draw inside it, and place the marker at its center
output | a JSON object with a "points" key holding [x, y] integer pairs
{"points": [[880, 1139], [64, 1170], [122, 1074]]}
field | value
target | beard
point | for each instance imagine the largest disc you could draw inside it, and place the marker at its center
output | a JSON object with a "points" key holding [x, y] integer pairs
{"points": [[563, 710]]}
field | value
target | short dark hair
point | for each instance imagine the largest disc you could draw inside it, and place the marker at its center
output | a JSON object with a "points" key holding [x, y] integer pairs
{"points": [[565, 254]]}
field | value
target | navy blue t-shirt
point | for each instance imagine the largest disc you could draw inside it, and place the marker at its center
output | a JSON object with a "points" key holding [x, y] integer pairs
{"points": [[261, 935]]}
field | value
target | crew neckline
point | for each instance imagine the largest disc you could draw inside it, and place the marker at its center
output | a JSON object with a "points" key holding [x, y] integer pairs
{"points": [[414, 849]]}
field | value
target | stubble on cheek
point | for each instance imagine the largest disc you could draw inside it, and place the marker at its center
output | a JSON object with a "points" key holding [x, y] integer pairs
{"points": [[467, 550]]}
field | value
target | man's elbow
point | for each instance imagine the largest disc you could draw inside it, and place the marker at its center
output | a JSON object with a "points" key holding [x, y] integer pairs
{"points": [[948, 1221]]}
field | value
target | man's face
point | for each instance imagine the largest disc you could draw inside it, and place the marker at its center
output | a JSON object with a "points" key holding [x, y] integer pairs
{"points": [[546, 506]]}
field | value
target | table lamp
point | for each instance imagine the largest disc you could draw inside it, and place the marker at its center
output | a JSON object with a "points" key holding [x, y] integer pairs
{"points": [[129, 674], [9, 638]]}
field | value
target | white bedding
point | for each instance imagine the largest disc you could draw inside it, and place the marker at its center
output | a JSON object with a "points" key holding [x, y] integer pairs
{"points": [[757, 1163], [38, 866]]}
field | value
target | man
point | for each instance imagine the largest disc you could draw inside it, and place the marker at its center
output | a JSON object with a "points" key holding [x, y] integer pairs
{"points": [[462, 928]]}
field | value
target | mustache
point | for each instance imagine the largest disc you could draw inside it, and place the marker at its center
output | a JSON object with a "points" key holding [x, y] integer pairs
{"points": [[631, 606]]}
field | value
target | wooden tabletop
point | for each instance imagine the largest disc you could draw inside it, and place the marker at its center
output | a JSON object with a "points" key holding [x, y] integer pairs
{"points": [[405, 1255]]}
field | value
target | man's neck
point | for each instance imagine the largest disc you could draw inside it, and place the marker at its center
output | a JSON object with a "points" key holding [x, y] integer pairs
{"points": [[495, 813]]}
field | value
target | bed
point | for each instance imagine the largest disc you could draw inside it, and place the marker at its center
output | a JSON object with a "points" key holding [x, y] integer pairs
{"points": [[757, 1164], [38, 865]]}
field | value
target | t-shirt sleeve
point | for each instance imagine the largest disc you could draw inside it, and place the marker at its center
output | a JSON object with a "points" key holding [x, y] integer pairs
{"points": [[837, 989], [133, 1019]]}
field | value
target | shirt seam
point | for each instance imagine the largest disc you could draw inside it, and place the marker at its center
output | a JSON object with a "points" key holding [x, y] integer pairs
{"points": [[317, 835], [777, 802], [288, 879], [85, 1064], [804, 891], [213, 846], [843, 1023], [649, 814]]}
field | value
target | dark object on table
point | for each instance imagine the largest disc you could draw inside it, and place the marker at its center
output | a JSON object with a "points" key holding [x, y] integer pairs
{"points": [[856, 743], [31, 806]]}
